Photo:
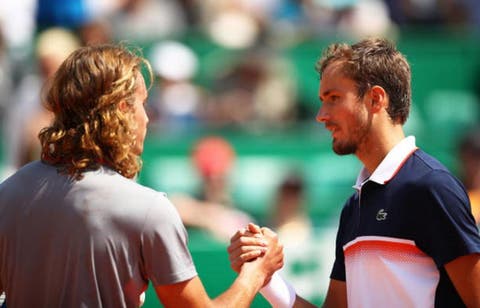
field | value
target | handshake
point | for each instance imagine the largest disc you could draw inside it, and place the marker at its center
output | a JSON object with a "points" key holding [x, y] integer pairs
{"points": [[257, 251]]}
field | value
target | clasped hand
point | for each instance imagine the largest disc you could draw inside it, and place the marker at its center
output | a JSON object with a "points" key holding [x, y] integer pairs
{"points": [[252, 245]]}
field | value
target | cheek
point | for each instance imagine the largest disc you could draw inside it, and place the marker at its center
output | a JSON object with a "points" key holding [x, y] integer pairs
{"points": [[359, 123], [141, 117]]}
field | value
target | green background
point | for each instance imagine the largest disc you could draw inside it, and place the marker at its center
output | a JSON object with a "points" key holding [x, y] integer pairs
{"points": [[446, 76]]}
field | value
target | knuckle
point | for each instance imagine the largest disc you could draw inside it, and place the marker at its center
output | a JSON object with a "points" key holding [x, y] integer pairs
{"points": [[244, 240], [243, 258]]}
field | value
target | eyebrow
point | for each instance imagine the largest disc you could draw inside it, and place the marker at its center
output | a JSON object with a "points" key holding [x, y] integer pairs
{"points": [[326, 94]]}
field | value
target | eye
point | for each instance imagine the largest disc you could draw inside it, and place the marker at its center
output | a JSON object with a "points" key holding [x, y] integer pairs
{"points": [[331, 99], [334, 98]]}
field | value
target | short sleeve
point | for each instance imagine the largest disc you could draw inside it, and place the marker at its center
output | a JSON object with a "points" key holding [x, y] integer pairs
{"points": [[164, 245], [446, 226]]}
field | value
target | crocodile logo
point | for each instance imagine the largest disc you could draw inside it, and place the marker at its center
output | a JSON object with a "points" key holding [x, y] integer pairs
{"points": [[381, 215]]}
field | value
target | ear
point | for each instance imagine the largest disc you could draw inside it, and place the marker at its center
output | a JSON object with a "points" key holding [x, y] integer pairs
{"points": [[123, 106], [378, 98]]}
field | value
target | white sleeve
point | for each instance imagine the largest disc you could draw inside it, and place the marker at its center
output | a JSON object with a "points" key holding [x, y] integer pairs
{"points": [[2, 298], [279, 293]]}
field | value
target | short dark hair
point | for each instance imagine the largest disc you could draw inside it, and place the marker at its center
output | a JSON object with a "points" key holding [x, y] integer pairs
{"points": [[370, 62]]}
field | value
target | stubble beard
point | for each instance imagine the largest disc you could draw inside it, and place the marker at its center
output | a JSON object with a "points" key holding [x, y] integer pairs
{"points": [[350, 146], [344, 148]]}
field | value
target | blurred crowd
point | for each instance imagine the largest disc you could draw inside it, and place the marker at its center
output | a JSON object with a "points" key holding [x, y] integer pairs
{"points": [[251, 85], [254, 85]]}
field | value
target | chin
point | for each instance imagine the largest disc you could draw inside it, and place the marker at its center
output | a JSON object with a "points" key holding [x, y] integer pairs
{"points": [[343, 148]]}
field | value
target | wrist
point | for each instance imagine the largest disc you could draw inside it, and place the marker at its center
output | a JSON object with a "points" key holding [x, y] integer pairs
{"points": [[278, 292], [251, 276]]}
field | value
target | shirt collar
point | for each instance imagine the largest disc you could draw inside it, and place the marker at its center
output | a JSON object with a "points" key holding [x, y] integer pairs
{"points": [[389, 165]]}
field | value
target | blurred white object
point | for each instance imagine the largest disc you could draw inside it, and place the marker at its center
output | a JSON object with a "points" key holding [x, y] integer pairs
{"points": [[369, 17], [18, 23], [56, 42], [234, 29], [174, 61]]}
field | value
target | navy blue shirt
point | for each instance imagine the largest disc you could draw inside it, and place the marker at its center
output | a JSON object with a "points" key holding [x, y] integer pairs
{"points": [[396, 236]]}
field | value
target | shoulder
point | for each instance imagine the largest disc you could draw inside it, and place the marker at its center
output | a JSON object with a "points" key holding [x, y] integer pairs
{"points": [[105, 179], [126, 201], [426, 181], [120, 194], [425, 163], [423, 171], [28, 172]]}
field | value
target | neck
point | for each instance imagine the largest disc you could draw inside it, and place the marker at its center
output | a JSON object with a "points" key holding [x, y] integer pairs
{"points": [[377, 145]]}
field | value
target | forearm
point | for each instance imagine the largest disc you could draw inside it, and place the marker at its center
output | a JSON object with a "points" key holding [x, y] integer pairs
{"points": [[465, 275], [280, 294], [336, 295], [242, 291], [303, 303]]}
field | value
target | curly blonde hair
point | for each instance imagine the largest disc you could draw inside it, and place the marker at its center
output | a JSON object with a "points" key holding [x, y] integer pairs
{"points": [[89, 129]]}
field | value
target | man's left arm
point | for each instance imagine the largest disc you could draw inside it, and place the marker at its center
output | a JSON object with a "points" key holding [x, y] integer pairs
{"points": [[465, 274]]}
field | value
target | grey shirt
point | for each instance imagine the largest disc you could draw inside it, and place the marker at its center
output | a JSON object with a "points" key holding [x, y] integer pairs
{"points": [[95, 242]]}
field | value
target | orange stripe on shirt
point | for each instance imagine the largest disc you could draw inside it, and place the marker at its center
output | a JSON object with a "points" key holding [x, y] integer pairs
{"points": [[384, 246]]}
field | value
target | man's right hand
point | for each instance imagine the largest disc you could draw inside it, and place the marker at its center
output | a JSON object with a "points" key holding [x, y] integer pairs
{"points": [[258, 247]]}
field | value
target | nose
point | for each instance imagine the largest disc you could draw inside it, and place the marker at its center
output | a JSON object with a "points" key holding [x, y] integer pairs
{"points": [[321, 115], [146, 116]]}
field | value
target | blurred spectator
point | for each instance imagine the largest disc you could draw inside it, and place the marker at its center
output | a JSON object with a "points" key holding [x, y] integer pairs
{"points": [[350, 18], [175, 100], [17, 24], [366, 18], [147, 20], [275, 97], [473, 9], [306, 256], [221, 19], [96, 31], [450, 13], [17, 19], [212, 209], [27, 116], [234, 90], [69, 14], [190, 10], [86, 18], [6, 82], [469, 159], [256, 88], [213, 158], [289, 217]]}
